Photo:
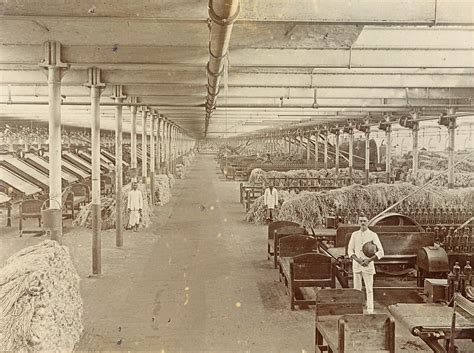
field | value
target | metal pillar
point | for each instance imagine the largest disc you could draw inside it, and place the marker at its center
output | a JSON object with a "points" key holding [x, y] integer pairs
{"points": [[157, 145], [367, 154], [167, 143], [173, 146], [144, 146], [325, 133], [152, 159], [270, 143], [336, 160], [162, 146], [165, 146], [415, 151], [351, 153], [451, 141], [170, 152], [300, 137], [118, 97], [133, 142], [388, 151], [96, 88], [180, 143], [308, 147], [316, 149], [55, 71]]}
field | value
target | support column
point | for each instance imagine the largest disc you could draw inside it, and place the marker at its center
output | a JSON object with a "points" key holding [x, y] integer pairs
{"points": [[300, 136], [351, 153], [388, 151], [367, 154], [158, 147], [144, 146], [451, 141], [415, 151], [55, 71], [152, 158], [165, 146], [181, 143], [118, 97], [170, 152], [316, 148], [173, 147], [133, 141], [308, 147], [336, 158], [289, 143], [96, 88], [325, 133]]}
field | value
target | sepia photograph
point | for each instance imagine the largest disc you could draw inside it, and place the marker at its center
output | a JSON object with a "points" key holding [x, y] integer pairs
{"points": [[237, 176]]}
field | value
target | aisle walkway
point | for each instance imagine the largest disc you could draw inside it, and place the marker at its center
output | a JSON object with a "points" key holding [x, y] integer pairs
{"points": [[197, 281]]}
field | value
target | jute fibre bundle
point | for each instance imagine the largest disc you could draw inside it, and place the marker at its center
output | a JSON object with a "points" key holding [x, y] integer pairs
{"points": [[40, 303]]}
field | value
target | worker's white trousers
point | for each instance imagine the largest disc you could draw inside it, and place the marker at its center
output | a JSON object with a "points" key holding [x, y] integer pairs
{"points": [[369, 288]]}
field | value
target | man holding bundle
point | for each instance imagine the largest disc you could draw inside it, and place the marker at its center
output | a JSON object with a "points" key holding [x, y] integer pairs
{"points": [[134, 206], [364, 248]]}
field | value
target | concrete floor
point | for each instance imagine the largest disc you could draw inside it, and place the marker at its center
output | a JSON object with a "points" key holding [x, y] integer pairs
{"points": [[196, 281]]}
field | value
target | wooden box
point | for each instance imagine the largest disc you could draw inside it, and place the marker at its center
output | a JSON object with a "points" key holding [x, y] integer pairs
{"points": [[436, 290]]}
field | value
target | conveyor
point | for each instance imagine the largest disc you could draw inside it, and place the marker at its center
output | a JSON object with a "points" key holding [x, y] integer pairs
{"points": [[43, 165], [103, 157], [27, 172], [88, 158], [112, 157], [17, 182], [78, 161]]}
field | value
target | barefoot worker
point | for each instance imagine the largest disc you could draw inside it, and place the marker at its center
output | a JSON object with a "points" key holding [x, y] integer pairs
{"points": [[134, 206]]}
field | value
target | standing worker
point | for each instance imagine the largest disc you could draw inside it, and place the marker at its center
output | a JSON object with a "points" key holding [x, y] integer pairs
{"points": [[270, 201], [134, 206], [364, 248]]}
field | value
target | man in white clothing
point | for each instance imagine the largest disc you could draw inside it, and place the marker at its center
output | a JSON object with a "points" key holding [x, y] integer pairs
{"points": [[134, 206], [362, 265], [270, 201]]}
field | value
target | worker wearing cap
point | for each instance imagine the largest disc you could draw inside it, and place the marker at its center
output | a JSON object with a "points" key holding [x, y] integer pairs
{"points": [[134, 206], [363, 265]]}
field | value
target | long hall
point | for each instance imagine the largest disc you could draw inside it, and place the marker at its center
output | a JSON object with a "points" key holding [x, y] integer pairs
{"points": [[196, 281], [141, 144]]}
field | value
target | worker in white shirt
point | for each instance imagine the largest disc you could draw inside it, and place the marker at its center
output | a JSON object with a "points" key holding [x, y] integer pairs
{"points": [[364, 248], [134, 206], [270, 201]]}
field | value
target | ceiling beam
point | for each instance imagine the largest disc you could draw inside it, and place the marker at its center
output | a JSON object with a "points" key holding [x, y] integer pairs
{"points": [[249, 92], [363, 12], [311, 58], [342, 78], [355, 58], [291, 92], [350, 79]]}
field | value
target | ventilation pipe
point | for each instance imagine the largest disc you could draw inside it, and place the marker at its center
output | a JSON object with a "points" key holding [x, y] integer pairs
{"points": [[222, 14]]}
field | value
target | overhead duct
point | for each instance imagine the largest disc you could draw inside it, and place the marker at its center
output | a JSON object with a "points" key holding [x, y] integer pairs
{"points": [[222, 14]]}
